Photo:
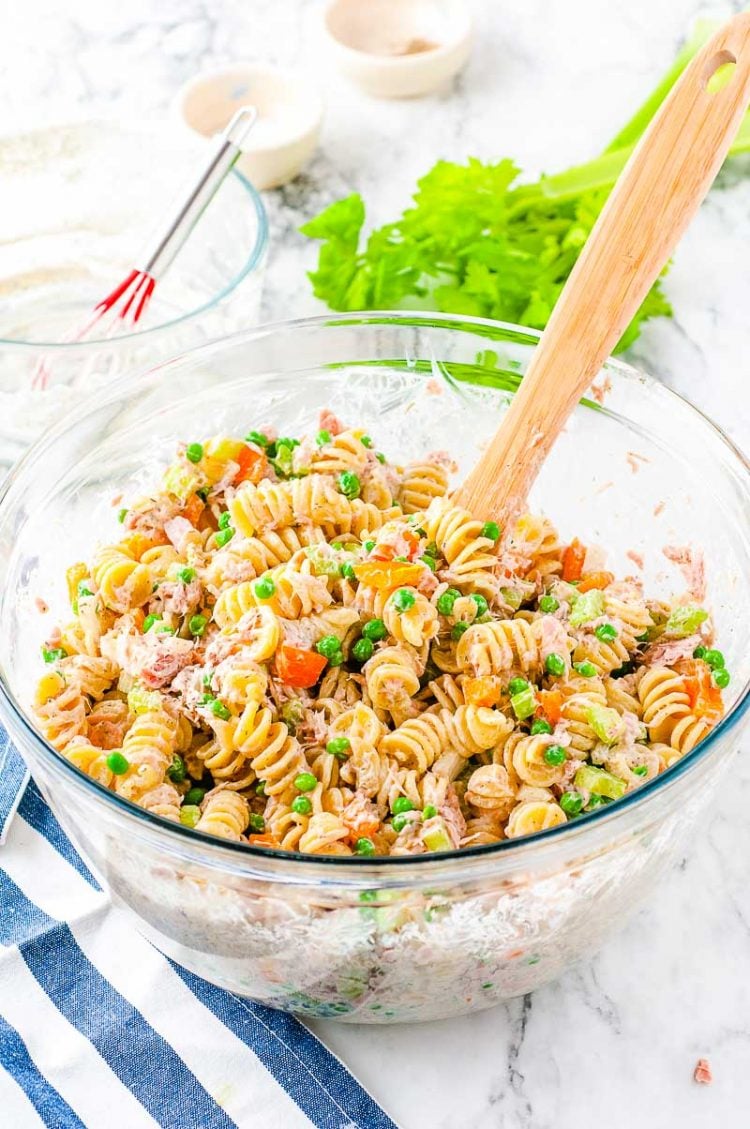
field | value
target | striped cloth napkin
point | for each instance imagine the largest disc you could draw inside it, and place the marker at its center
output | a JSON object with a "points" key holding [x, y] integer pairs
{"points": [[98, 1030]]}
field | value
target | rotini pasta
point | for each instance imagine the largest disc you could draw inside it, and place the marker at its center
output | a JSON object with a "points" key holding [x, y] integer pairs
{"points": [[300, 646]]}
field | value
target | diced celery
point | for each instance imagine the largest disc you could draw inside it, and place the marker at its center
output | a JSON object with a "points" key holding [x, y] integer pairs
{"points": [[181, 481], [512, 597], [607, 723], [524, 703], [141, 700], [588, 606], [435, 835], [685, 620], [319, 555], [599, 782]]}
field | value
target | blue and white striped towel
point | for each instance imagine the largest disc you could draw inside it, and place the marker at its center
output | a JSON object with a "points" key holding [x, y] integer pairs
{"points": [[99, 1030]]}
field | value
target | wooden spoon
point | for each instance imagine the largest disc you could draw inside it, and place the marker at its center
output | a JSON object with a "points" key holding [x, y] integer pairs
{"points": [[652, 203]]}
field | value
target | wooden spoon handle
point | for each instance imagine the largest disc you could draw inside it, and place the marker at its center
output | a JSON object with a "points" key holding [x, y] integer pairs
{"points": [[659, 190]]}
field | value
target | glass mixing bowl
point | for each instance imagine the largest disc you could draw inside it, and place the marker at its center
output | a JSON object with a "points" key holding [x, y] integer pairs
{"points": [[390, 939], [81, 203]]}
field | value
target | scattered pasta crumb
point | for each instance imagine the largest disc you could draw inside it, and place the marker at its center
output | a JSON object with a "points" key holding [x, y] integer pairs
{"points": [[702, 1073], [659, 508], [636, 558], [633, 459], [434, 387], [605, 486], [41, 605], [692, 566], [116, 500]]}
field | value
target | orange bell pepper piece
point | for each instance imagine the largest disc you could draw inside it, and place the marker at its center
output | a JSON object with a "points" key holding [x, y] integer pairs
{"points": [[705, 698], [193, 509], [299, 667], [591, 580], [484, 691], [265, 840], [550, 702], [252, 466], [572, 560], [136, 544], [387, 574]]}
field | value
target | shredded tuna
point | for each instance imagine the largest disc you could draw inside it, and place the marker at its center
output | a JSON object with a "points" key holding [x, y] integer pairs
{"points": [[658, 508], [450, 809], [152, 514], [599, 391], [327, 421], [108, 724], [41, 605], [692, 566], [634, 460], [177, 598], [434, 387], [702, 1073], [443, 459], [636, 558], [605, 486], [554, 637], [177, 530], [669, 653], [361, 816], [154, 658]]}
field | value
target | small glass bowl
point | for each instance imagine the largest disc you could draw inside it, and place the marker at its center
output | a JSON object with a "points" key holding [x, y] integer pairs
{"points": [[81, 204], [384, 939]]}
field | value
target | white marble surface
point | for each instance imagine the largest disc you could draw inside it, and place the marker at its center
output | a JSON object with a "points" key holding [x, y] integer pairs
{"points": [[613, 1044]]}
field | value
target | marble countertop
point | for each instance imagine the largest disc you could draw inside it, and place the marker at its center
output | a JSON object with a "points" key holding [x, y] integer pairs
{"points": [[613, 1043]]}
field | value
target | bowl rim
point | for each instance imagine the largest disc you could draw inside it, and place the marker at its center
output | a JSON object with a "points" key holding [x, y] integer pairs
{"points": [[254, 259], [460, 39], [292, 859]]}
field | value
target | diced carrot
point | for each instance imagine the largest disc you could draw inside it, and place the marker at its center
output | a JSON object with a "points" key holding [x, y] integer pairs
{"points": [[484, 691], [193, 509], [252, 465], [572, 560], [299, 667], [591, 580], [387, 574], [138, 615], [265, 840], [551, 702]]}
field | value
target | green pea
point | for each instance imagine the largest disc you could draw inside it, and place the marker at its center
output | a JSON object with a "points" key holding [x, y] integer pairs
{"points": [[301, 805], [218, 709], [285, 441], [223, 537], [700, 652], [714, 659], [194, 452], [586, 669], [177, 772], [605, 632], [186, 575], [541, 725], [323, 437], [264, 588], [189, 815], [339, 747], [260, 788], [555, 754], [118, 764], [122, 515], [571, 803], [491, 529], [329, 647], [447, 600], [401, 804], [149, 622], [362, 650], [429, 561], [399, 822], [225, 520], [429, 812], [305, 782], [640, 769], [548, 604], [479, 600], [197, 624], [347, 571], [721, 678], [349, 484], [369, 546], [366, 441], [375, 630], [402, 599], [458, 630], [194, 796], [256, 823], [364, 846], [258, 438], [54, 655], [203, 493], [380, 456], [517, 686]]}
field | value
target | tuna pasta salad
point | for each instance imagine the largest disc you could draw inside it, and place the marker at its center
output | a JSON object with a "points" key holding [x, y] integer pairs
{"points": [[298, 644]]}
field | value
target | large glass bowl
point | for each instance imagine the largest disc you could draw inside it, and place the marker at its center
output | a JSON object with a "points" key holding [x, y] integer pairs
{"points": [[82, 202], [405, 938]]}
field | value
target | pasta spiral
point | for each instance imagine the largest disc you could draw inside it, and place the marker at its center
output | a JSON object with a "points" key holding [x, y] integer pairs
{"points": [[533, 815], [665, 701], [122, 581], [422, 482], [223, 814]]}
